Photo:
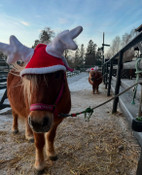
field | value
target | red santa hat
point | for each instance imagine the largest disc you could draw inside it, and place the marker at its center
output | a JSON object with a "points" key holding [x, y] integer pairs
{"points": [[94, 68], [41, 62]]}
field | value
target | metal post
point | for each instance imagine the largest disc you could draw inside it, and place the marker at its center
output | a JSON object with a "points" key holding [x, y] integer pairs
{"points": [[106, 76], [118, 82], [103, 46], [110, 77], [104, 72], [139, 168]]}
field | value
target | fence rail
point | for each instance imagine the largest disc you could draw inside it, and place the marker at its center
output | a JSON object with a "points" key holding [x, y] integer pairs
{"points": [[4, 69]]}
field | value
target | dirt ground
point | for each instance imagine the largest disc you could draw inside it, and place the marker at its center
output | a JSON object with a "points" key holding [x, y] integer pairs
{"points": [[103, 146]]}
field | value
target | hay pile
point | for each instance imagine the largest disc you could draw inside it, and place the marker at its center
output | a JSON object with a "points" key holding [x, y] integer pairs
{"points": [[103, 146], [83, 149]]}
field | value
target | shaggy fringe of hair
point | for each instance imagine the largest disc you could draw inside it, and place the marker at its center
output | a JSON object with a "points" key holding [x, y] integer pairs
{"points": [[29, 82]]}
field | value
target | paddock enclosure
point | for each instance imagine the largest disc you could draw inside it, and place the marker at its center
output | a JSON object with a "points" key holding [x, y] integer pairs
{"points": [[104, 145]]}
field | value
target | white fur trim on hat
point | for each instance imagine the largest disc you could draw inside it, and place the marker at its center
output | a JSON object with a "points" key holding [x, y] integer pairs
{"points": [[42, 70]]}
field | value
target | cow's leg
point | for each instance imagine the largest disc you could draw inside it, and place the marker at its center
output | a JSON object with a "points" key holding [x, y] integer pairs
{"points": [[15, 122], [93, 88], [50, 136], [28, 131], [39, 145], [97, 89], [93, 91]]}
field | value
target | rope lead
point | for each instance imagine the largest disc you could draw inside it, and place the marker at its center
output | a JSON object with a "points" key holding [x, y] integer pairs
{"points": [[87, 114], [89, 111]]}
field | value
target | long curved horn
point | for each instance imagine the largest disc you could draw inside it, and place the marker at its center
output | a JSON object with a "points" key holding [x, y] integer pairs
{"points": [[75, 32], [67, 38], [16, 51], [63, 41]]}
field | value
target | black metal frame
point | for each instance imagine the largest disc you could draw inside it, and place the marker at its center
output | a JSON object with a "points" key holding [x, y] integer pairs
{"points": [[3, 83], [108, 72]]}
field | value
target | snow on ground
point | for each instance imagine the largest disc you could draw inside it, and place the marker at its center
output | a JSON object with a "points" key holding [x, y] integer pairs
{"points": [[79, 82]]}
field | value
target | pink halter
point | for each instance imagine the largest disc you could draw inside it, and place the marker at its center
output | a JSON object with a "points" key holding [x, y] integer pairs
{"points": [[46, 107]]}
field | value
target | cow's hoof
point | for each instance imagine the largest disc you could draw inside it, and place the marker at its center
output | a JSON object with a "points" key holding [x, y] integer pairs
{"points": [[38, 172], [39, 166], [53, 158], [31, 140], [137, 125], [15, 131]]}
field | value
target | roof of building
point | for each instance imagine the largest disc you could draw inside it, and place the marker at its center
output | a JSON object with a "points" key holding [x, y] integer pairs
{"points": [[139, 29]]}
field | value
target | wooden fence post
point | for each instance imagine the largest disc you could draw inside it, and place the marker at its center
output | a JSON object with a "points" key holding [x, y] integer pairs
{"points": [[110, 77], [118, 82]]}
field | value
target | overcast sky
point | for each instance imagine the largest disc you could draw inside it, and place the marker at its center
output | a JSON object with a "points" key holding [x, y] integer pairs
{"points": [[26, 18]]}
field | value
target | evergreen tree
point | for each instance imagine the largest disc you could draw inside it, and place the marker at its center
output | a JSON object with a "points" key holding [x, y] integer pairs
{"points": [[45, 37], [82, 51], [77, 60], [36, 43], [90, 58]]}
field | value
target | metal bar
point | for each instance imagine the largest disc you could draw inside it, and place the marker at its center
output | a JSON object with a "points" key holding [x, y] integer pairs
{"points": [[110, 77], [106, 77], [118, 82], [103, 46], [103, 72], [139, 168], [4, 97], [4, 106]]}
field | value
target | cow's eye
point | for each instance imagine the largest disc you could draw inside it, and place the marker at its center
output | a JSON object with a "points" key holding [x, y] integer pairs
{"points": [[57, 75]]}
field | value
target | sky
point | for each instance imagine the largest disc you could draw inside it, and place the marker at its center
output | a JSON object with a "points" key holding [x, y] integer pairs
{"points": [[27, 18]]}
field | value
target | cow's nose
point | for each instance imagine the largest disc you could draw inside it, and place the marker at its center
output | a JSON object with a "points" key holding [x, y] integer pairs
{"points": [[45, 121], [40, 126]]}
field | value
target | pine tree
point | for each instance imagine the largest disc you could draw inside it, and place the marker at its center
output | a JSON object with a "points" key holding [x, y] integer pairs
{"points": [[90, 58], [45, 37]]}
